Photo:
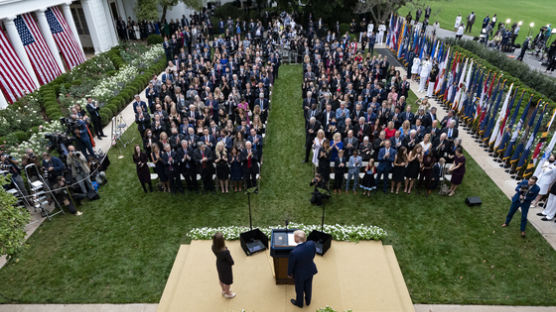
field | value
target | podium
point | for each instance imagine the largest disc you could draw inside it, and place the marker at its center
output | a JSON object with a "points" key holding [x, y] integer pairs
{"points": [[281, 243]]}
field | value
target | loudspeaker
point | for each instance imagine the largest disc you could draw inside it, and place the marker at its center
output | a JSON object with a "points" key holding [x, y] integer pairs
{"points": [[322, 241], [473, 201], [253, 241]]}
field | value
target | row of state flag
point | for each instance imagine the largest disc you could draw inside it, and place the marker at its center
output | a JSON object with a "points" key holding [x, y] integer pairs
{"points": [[484, 100], [15, 80]]}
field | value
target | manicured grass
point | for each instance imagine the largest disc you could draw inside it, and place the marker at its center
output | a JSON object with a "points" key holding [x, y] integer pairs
{"points": [[541, 12], [123, 247]]}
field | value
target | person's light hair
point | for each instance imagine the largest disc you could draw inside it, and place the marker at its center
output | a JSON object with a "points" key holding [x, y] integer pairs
{"points": [[300, 235]]}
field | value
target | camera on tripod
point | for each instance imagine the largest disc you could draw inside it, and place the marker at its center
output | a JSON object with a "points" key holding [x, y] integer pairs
{"points": [[523, 192], [70, 124]]}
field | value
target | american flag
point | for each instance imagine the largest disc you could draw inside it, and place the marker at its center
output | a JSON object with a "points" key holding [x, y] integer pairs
{"points": [[15, 81], [64, 37], [39, 54]]}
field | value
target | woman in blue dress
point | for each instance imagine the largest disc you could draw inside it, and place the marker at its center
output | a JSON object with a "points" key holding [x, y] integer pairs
{"points": [[336, 145]]}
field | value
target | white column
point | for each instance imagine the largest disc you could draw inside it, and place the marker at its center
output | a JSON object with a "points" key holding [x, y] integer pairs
{"points": [[13, 35], [3, 102], [110, 23], [91, 11], [47, 34], [69, 19], [121, 9]]}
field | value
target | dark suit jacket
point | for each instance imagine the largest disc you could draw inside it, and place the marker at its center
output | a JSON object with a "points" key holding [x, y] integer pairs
{"points": [[383, 162], [531, 194], [455, 133], [254, 160], [300, 262]]}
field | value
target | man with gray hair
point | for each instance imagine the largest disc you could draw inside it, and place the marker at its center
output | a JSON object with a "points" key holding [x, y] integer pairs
{"points": [[301, 268]]}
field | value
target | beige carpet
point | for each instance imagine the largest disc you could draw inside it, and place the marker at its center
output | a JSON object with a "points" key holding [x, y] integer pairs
{"points": [[362, 276]]}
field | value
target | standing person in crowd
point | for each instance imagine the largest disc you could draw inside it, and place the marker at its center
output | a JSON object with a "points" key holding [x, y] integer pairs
{"points": [[250, 165], [458, 171], [549, 210], [93, 110], [236, 170], [524, 48], [416, 67], [526, 191], [224, 263], [77, 163], [12, 166], [426, 68], [414, 160], [459, 32], [354, 166], [54, 167], [386, 157], [301, 268], [337, 145], [324, 161], [222, 169], [426, 173], [398, 172], [313, 139], [546, 178], [339, 171], [143, 173], [458, 22], [204, 159], [470, 22], [316, 146], [381, 30], [368, 183]]}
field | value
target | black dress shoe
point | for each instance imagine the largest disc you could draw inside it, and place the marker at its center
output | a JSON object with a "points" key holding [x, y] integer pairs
{"points": [[545, 219], [295, 303], [540, 214]]}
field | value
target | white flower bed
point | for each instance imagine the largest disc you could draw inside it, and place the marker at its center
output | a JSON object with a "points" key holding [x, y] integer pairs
{"points": [[338, 232], [108, 87], [37, 142], [111, 86]]}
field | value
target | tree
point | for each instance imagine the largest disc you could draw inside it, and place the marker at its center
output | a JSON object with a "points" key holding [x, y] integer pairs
{"points": [[380, 9], [148, 9], [12, 222]]}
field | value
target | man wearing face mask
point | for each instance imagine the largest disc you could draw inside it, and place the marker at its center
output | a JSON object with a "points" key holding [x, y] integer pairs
{"points": [[546, 178]]}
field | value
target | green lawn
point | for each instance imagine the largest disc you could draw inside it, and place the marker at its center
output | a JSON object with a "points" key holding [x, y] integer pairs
{"points": [[123, 247], [541, 12]]}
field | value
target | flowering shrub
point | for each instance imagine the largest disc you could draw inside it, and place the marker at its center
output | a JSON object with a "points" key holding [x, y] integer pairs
{"points": [[110, 86], [37, 142], [338, 232]]}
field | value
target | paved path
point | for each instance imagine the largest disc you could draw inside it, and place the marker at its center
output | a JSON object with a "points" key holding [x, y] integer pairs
{"points": [[529, 59]]}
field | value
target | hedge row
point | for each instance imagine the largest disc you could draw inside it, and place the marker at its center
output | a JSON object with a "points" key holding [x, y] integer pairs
{"points": [[48, 93], [509, 78], [117, 103], [533, 79]]}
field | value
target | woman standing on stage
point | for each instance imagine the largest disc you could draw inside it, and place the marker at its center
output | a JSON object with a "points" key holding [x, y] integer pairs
{"points": [[224, 264]]}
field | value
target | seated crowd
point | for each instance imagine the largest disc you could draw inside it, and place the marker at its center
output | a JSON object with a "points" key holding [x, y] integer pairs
{"points": [[206, 116], [359, 125]]}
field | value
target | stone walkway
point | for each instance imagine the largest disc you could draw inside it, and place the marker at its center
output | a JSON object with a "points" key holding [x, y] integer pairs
{"points": [[528, 59]]}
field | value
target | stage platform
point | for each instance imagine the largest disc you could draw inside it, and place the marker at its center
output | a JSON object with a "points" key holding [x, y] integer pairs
{"points": [[362, 276]]}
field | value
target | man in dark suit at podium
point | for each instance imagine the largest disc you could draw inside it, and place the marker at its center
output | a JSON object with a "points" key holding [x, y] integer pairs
{"points": [[302, 268]]}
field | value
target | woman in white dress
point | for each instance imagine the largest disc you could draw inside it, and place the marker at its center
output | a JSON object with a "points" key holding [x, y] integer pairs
{"points": [[415, 67], [317, 143]]}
